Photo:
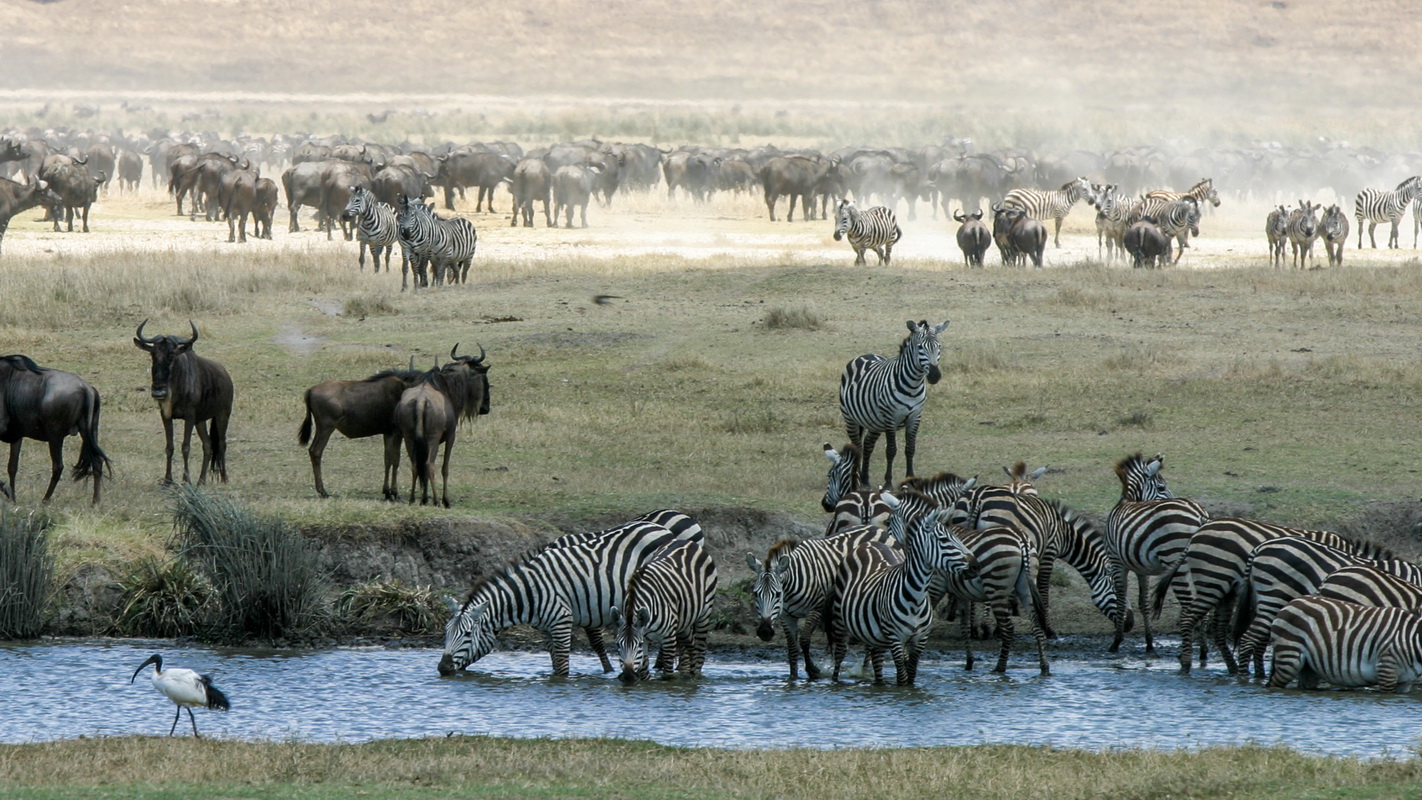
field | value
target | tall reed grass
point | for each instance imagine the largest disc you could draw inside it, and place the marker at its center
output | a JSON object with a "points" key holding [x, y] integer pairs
{"points": [[26, 573]]}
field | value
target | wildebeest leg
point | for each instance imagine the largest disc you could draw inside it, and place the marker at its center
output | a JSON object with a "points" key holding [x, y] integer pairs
{"points": [[187, 448], [56, 465], [390, 484], [444, 468], [14, 467], [168, 436], [219, 446], [315, 451]]}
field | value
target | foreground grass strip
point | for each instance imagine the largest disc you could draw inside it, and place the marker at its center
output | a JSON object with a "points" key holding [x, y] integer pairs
{"points": [[488, 767]]}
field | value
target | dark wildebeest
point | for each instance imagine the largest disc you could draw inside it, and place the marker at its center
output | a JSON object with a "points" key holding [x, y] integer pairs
{"points": [[531, 182], [796, 177], [265, 209], [1147, 243], [358, 409], [572, 188], [462, 168], [17, 197], [130, 170], [974, 238], [1018, 236], [240, 190], [49, 405], [428, 415], [195, 390], [77, 190]]}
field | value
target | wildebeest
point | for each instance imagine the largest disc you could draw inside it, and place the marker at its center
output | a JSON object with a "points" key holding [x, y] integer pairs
{"points": [[572, 188], [195, 390], [265, 209], [1018, 236], [358, 409], [531, 182], [239, 188], [49, 405], [17, 197], [796, 177], [77, 190], [973, 237], [483, 169], [428, 414], [1147, 243]]}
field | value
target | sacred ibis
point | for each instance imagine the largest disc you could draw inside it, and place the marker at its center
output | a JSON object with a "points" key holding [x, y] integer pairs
{"points": [[185, 688]]}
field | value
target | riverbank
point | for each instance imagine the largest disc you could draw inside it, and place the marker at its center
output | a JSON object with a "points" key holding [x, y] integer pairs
{"points": [[478, 767]]}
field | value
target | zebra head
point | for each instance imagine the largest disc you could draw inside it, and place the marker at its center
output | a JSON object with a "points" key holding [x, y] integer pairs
{"points": [[1205, 190], [954, 557], [846, 217], [631, 640], [360, 198], [923, 349], [769, 586], [840, 480], [1018, 479], [468, 636], [1141, 480]]}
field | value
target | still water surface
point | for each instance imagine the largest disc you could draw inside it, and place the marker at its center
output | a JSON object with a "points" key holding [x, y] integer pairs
{"points": [[60, 691]]}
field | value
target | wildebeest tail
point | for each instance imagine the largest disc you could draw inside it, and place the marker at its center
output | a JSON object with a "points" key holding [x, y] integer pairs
{"points": [[303, 436], [420, 444], [93, 462]]}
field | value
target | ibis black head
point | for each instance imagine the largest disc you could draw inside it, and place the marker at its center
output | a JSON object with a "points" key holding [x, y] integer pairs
{"points": [[155, 659]]}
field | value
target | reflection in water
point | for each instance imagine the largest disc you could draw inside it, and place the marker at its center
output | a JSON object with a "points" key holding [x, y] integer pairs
{"points": [[57, 691]]}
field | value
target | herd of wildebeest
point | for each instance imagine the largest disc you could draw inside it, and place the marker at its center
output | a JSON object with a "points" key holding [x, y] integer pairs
{"points": [[223, 178]]}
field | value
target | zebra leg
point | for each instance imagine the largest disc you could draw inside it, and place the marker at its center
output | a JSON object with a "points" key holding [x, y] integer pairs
{"points": [[891, 449], [859, 256], [1143, 583], [1288, 659], [1388, 669], [1044, 586], [813, 621], [560, 642], [910, 446], [598, 646], [1220, 634], [903, 671], [792, 645], [696, 652], [1004, 634], [1057, 236], [866, 450], [1121, 578], [876, 657]]}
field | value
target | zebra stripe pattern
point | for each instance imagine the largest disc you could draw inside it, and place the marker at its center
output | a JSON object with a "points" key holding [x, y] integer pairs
{"points": [[377, 229], [881, 597], [1333, 230], [669, 601], [1345, 644], [1178, 219], [1111, 210], [444, 244], [1380, 205], [1213, 570], [1202, 192], [1053, 205], [848, 507], [1302, 229], [575, 581], [871, 229], [1004, 558], [1384, 585], [1146, 531], [793, 584], [1276, 228], [879, 395]]}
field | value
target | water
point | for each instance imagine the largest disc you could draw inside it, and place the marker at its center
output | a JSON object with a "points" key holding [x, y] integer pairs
{"points": [[1096, 702]]}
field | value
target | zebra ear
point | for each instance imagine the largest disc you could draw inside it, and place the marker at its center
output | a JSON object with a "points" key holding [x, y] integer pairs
{"points": [[452, 603], [912, 328], [889, 500], [753, 563], [831, 454], [616, 616], [1152, 468], [1037, 473], [937, 329], [782, 564], [644, 616], [970, 483]]}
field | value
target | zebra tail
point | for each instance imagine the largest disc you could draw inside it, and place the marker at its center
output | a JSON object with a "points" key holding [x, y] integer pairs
{"points": [[303, 436], [93, 462], [1243, 612], [1162, 588]]}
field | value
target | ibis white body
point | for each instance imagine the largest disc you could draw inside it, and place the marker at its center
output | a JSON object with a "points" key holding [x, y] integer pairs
{"points": [[186, 688]]}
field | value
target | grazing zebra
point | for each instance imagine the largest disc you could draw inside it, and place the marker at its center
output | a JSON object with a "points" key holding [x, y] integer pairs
{"points": [[871, 229], [573, 582], [1178, 219], [668, 607], [848, 507], [1053, 205], [1201, 192], [377, 228], [1333, 229], [1302, 229], [445, 244], [1147, 531], [793, 583], [881, 595], [1276, 228], [1004, 559], [1383, 585], [879, 395], [1345, 644], [1380, 205], [1213, 568]]}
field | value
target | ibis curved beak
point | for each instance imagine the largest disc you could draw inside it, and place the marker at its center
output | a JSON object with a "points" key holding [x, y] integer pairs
{"points": [[153, 659]]}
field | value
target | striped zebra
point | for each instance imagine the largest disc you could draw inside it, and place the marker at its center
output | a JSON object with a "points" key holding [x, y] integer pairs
{"points": [[1111, 210], [1053, 205], [444, 243], [1005, 560], [848, 507], [668, 607], [1333, 230], [881, 597], [879, 395], [1202, 192], [1178, 219], [1147, 531], [571, 582], [1383, 585], [794, 582], [1302, 230], [1276, 228], [1213, 569], [1380, 205], [1346, 645], [377, 228], [871, 229]]}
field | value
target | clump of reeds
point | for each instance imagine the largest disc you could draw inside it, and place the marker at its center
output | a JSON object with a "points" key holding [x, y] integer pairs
{"points": [[801, 318], [26, 573], [164, 599], [391, 607]]}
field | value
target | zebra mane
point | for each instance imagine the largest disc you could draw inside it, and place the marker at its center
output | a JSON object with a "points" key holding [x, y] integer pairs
{"points": [[1124, 465], [503, 571], [925, 485], [905, 343], [629, 599], [781, 548], [1073, 518]]}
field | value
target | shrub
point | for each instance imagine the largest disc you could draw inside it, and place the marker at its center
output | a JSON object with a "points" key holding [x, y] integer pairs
{"points": [[26, 573], [777, 319], [391, 606], [164, 599]]}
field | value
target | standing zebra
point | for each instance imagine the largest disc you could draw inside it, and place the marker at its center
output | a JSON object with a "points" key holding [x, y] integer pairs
{"points": [[1005, 561], [1380, 585], [1276, 228], [668, 607], [1213, 568], [1302, 229], [1346, 645], [1333, 229], [879, 395], [848, 507], [1146, 531], [573, 583], [1053, 205], [445, 244], [794, 583], [1201, 192], [1111, 210], [871, 229], [1380, 205], [377, 228]]}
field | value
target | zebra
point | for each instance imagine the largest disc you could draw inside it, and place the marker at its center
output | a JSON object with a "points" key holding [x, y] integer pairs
{"points": [[571, 582], [1333, 229], [1146, 531], [1111, 210], [377, 228], [793, 582], [1178, 219], [1302, 229], [848, 507], [1382, 585], [881, 596], [1201, 192], [668, 606], [1345, 644], [871, 229], [1380, 205], [879, 395], [443, 243], [1276, 228], [1213, 569], [1053, 205]]}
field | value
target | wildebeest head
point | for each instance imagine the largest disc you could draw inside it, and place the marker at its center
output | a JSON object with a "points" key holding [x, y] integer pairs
{"points": [[476, 382], [165, 350]]}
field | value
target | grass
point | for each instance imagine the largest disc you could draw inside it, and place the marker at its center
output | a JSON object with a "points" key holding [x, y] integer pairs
{"points": [[118, 769], [26, 572]]}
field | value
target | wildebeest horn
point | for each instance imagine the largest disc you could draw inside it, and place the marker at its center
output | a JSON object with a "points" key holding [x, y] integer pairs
{"points": [[141, 337], [480, 359], [454, 350], [195, 333]]}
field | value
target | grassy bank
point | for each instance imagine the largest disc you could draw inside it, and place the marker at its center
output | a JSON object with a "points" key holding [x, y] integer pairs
{"points": [[117, 769]]}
